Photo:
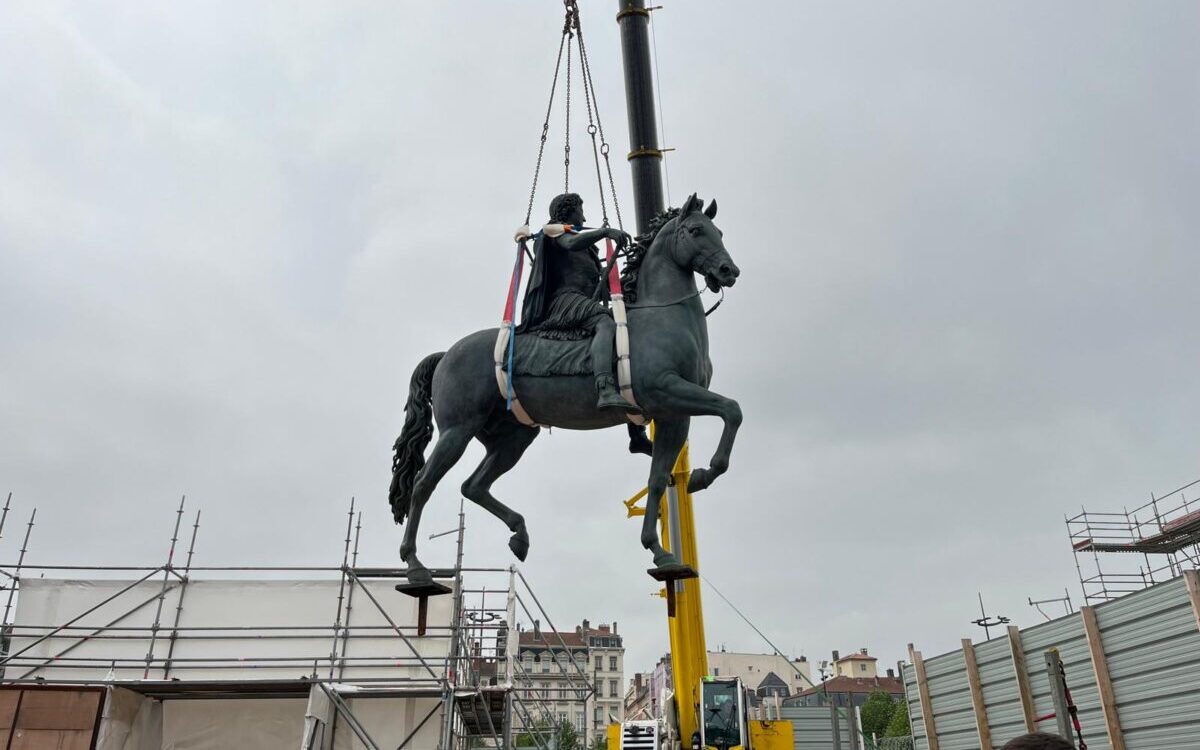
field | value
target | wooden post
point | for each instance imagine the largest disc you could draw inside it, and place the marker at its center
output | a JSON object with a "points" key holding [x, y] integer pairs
{"points": [[1022, 674], [981, 720], [918, 663], [1191, 579], [1108, 702], [852, 722]]}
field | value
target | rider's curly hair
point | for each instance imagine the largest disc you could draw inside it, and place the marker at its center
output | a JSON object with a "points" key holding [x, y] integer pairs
{"points": [[637, 253], [563, 206]]}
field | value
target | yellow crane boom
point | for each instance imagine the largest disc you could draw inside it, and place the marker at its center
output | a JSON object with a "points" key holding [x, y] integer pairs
{"points": [[685, 611]]}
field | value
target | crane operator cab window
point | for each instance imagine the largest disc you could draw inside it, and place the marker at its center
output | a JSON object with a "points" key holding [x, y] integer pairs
{"points": [[721, 706]]}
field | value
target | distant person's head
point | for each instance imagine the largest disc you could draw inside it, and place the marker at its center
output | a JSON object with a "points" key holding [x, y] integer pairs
{"points": [[1038, 741]]}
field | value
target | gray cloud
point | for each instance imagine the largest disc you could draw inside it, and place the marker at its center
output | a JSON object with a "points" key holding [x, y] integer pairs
{"points": [[967, 236]]}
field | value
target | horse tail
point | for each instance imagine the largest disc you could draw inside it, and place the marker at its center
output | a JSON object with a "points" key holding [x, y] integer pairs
{"points": [[414, 436]]}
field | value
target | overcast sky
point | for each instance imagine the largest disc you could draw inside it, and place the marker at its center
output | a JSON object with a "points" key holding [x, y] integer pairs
{"points": [[967, 235]]}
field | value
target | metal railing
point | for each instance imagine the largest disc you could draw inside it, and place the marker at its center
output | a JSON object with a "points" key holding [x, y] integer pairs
{"points": [[1119, 553]]}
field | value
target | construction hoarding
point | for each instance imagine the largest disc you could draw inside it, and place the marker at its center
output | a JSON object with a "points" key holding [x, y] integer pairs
{"points": [[1132, 670]]}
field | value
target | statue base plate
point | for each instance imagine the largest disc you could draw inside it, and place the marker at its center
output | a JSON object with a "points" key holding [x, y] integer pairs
{"points": [[668, 573], [423, 590]]}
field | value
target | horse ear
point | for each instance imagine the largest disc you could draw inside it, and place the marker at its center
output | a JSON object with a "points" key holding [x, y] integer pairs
{"points": [[711, 211], [691, 204]]}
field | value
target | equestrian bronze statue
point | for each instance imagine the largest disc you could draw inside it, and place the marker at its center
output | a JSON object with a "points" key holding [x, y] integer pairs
{"points": [[563, 371]]}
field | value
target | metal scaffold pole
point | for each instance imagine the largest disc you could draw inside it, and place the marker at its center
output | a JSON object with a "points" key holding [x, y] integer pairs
{"points": [[447, 739]]}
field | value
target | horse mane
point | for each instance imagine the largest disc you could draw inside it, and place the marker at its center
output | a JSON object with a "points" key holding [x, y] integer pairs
{"points": [[637, 253]]}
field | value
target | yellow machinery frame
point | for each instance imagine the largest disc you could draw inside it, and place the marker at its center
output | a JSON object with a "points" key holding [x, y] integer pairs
{"points": [[689, 653]]}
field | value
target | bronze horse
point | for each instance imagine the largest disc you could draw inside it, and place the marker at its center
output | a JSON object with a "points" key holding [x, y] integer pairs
{"points": [[671, 372]]}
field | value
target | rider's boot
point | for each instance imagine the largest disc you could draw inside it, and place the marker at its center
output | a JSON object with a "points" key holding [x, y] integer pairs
{"points": [[610, 397]]}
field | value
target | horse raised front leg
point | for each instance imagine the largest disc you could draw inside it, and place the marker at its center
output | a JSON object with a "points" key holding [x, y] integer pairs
{"points": [[449, 448], [677, 394], [669, 438]]}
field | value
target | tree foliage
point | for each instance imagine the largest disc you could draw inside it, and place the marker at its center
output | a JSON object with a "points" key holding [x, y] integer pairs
{"points": [[559, 735], [877, 712], [899, 726]]}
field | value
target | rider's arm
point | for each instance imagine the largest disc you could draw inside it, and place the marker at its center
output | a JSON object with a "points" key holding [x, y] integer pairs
{"points": [[585, 240]]}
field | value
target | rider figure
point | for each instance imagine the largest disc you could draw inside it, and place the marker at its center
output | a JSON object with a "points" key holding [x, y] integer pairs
{"points": [[561, 297]]}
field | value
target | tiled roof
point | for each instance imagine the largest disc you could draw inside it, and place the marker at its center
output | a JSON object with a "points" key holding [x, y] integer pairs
{"points": [[550, 639], [891, 685], [857, 657]]}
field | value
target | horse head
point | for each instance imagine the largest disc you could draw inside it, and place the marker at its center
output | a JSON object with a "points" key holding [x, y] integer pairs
{"points": [[700, 247]]}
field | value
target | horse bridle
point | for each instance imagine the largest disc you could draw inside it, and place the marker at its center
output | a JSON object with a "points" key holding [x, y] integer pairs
{"points": [[703, 258]]}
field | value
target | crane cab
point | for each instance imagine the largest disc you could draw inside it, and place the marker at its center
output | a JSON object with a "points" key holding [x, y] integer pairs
{"points": [[723, 714]]}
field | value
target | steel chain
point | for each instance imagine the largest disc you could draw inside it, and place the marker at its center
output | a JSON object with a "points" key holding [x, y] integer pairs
{"points": [[567, 116], [590, 87], [572, 28], [591, 128], [537, 168]]}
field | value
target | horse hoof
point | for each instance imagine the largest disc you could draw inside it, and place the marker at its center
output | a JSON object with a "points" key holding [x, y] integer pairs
{"points": [[666, 560], [519, 544], [419, 575], [641, 445], [699, 480]]}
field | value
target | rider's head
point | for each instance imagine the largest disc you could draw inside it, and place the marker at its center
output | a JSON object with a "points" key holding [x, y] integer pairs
{"points": [[567, 209]]}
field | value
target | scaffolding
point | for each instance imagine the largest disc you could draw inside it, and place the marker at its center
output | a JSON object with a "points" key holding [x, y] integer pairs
{"points": [[1119, 553], [152, 630]]}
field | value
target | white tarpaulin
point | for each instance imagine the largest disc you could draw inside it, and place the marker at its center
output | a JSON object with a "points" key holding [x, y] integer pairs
{"points": [[130, 721], [258, 723]]}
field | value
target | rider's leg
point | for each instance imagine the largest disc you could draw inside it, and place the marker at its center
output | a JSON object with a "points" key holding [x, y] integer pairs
{"points": [[603, 343]]}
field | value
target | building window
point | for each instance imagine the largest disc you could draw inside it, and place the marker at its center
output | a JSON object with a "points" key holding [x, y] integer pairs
{"points": [[612, 689], [716, 671], [599, 663], [612, 664], [862, 667]]}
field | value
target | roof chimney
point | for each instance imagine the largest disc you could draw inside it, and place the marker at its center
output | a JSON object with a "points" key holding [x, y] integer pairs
{"points": [[614, 627], [537, 630], [862, 651], [891, 672], [586, 624], [603, 628]]}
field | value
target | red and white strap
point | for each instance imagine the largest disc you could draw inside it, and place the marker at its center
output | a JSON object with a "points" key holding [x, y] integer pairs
{"points": [[502, 354], [624, 370]]}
